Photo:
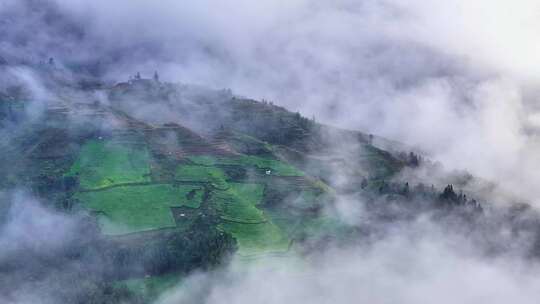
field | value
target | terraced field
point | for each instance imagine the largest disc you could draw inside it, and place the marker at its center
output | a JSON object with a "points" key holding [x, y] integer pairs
{"points": [[257, 239], [237, 206], [239, 203], [170, 199], [240, 215], [266, 165], [102, 164], [129, 209], [115, 183], [213, 175]]}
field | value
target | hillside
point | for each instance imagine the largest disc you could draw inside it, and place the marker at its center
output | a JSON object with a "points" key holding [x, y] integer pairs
{"points": [[170, 178]]}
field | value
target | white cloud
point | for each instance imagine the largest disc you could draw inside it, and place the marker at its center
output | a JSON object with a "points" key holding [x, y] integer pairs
{"points": [[408, 267]]}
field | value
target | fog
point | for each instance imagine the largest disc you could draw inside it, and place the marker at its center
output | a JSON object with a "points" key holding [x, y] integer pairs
{"points": [[34, 241], [457, 80], [402, 268], [451, 78]]}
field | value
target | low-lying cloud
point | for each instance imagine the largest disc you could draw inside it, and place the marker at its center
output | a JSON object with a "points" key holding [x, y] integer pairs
{"points": [[457, 79], [411, 266]]}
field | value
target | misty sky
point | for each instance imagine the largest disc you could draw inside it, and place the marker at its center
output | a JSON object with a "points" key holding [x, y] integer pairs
{"points": [[458, 79]]}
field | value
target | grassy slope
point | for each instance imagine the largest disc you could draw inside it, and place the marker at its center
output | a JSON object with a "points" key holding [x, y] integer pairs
{"points": [[212, 175], [236, 204], [239, 203], [102, 164], [129, 209], [256, 239], [252, 228], [140, 208], [276, 167]]}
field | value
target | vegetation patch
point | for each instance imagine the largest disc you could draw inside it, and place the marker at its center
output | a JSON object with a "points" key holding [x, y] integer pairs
{"points": [[250, 145], [302, 227], [239, 203], [380, 163], [212, 175], [272, 166], [128, 209], [257, 238], [104, 163], [245, 222], [236, 204]]}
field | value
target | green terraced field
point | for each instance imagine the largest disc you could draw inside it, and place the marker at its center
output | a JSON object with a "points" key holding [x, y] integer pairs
{"points": [[123, 209], [213, 175], [103, 163], [257, 238], [236, 204], [249, 192], [239, 203], [276, 167], [128, 209], [248, 224]]}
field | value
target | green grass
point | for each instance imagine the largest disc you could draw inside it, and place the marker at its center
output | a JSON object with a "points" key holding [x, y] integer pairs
{"points": [[248, 192], [213, 175], [236, 204], [275, 166], [101, 164], [239, 203], [248, 224], [128, 209], [288, 222], [257, 238]]}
